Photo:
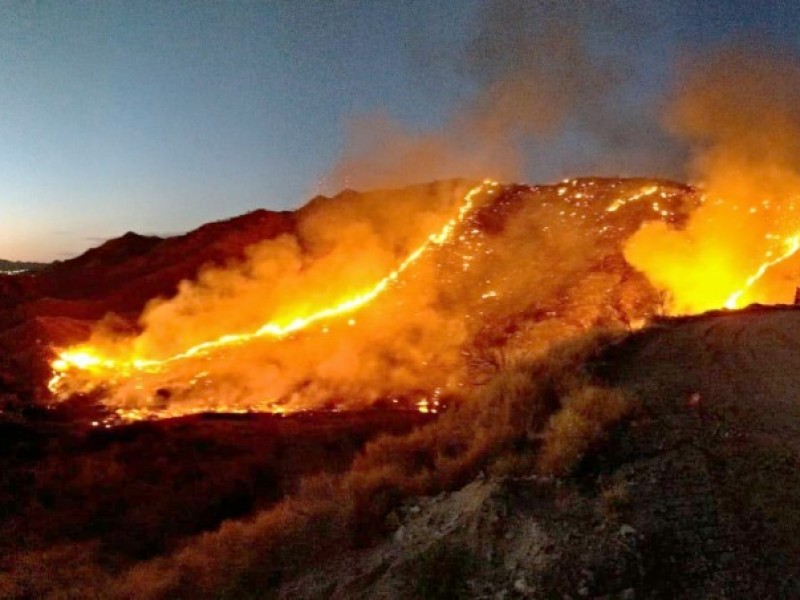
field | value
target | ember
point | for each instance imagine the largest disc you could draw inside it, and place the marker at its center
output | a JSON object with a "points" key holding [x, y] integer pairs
{"points": [[358, 350]]}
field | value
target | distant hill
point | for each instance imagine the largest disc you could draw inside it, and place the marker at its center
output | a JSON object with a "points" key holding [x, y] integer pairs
{"points": [[10, 266]]}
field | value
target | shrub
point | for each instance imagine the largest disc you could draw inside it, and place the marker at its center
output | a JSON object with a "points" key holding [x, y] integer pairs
{"points": [[586, 417], [543, 412], [614, 500]]}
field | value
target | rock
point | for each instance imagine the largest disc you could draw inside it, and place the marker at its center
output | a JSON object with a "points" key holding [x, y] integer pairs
{"points": [[400, 534], [627, 530]]}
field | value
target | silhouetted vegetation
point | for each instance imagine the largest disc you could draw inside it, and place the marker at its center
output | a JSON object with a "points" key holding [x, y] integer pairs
{"points": [[442, 570]]}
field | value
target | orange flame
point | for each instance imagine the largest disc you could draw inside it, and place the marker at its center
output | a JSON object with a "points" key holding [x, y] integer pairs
{"points": [[792, 244], [722, 256], [85, 358]]}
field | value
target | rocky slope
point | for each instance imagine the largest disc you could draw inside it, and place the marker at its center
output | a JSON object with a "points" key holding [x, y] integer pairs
{"points": [[694, 498]]}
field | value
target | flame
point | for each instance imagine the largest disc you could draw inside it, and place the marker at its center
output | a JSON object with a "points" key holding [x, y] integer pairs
{"points": [[620, 202], [704, 280], [792, 244], [720, 260], [86, 359]]}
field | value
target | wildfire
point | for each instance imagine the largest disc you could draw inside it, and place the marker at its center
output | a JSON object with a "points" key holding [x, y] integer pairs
{"points": [[792, 245], [722, 257], [699, 268], [88, 360]]}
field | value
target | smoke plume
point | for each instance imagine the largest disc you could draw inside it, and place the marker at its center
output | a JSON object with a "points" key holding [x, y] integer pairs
{"points": [[341, 247]]}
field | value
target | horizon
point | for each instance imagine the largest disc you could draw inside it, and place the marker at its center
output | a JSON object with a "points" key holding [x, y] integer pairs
{"points": [[158, 118]]}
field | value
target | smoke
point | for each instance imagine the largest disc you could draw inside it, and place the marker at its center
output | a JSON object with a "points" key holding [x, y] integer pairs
{"points": [[342, 246], [740, 111], [312, 267], [381, 152], [551, 94], [549, 250], [540, 71]]}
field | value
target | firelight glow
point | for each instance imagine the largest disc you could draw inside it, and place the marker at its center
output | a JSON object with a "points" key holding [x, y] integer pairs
{"points": [[725, 257], [710, 281], [88, 360]]}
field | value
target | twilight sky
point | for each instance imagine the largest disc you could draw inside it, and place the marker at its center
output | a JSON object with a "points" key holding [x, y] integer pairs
{"points": [[159, 116]]}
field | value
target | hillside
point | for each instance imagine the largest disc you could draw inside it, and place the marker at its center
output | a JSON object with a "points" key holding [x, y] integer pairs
{"points": [[583, 446], [60, 305], [576, 231], [693, 498]]}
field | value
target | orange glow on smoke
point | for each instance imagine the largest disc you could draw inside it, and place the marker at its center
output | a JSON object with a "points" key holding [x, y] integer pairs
{"points": [[705, 254], [85, 360], [733, 252]]}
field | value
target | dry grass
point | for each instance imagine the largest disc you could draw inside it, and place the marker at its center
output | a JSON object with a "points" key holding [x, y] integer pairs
{"points": [[615, 499], [586, 416], [544, 414]]}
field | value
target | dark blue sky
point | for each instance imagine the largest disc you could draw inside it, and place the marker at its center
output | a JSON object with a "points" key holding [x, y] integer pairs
{"points": [[160, 116]]}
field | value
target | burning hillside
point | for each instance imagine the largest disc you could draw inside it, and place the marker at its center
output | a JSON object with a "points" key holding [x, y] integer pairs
{"points": [[479, 303], [399, 296], [310, 321]]}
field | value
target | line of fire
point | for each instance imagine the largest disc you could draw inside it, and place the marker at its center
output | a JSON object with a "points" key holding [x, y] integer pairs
{"points": [[625, 217]]}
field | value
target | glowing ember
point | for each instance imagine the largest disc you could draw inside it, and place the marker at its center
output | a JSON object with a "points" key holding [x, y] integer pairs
{"points": [[620, 202]]}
